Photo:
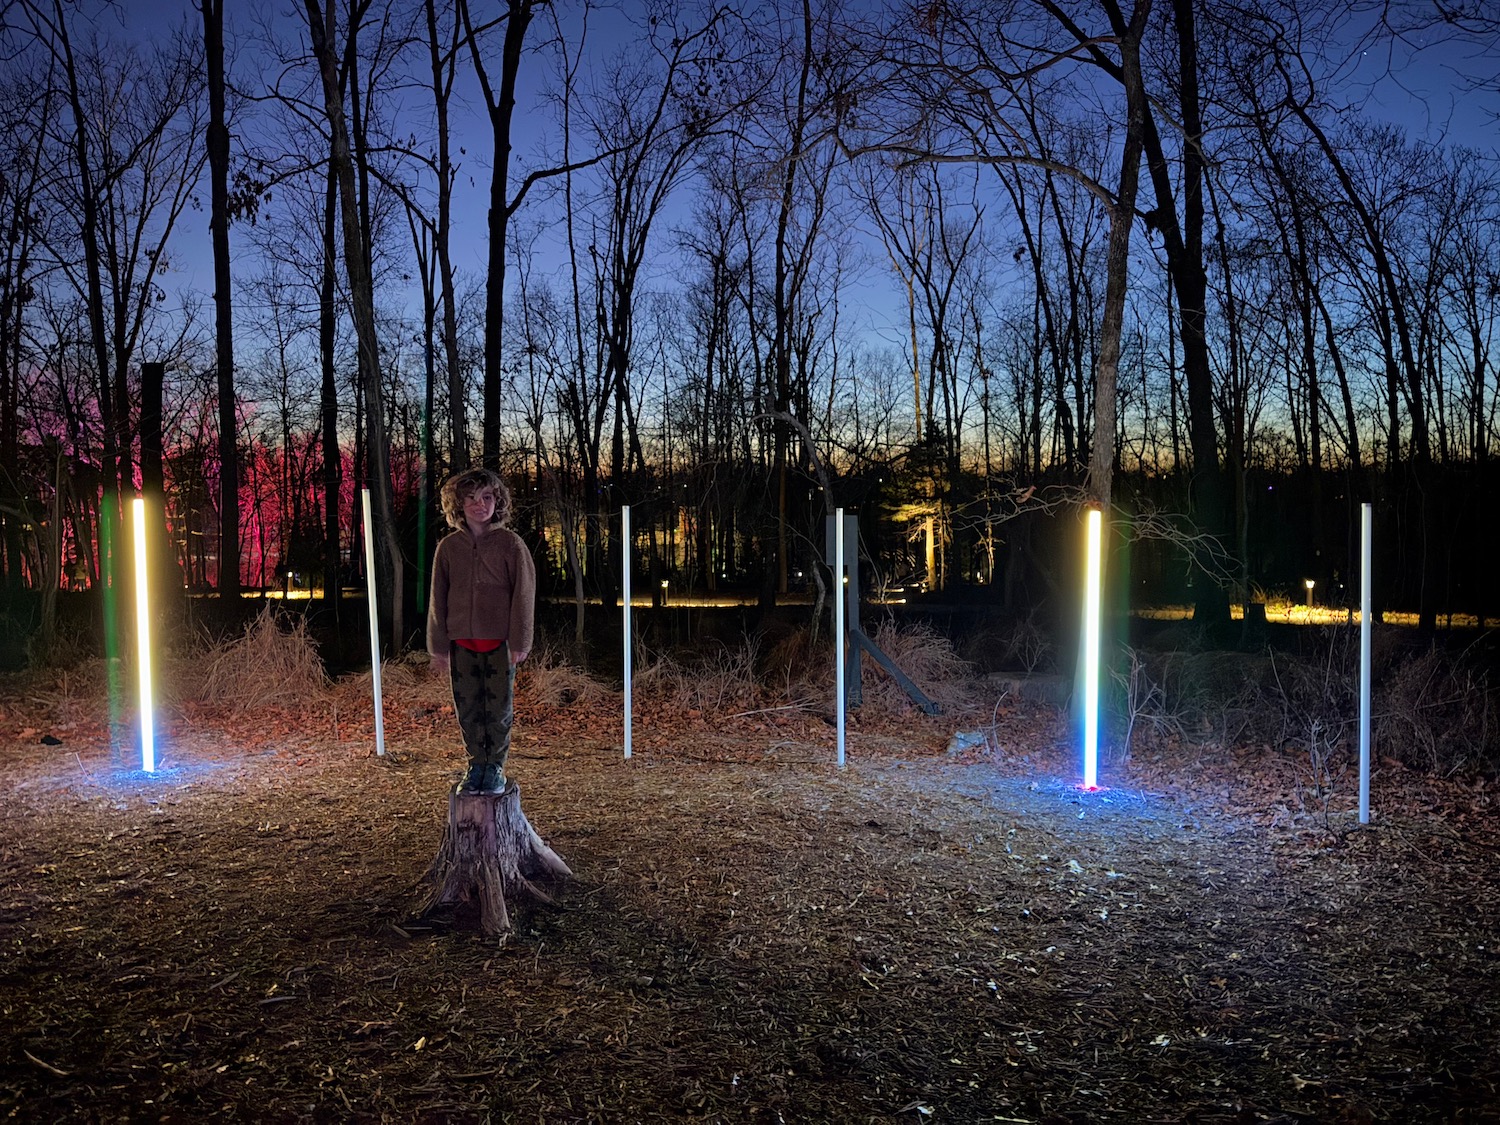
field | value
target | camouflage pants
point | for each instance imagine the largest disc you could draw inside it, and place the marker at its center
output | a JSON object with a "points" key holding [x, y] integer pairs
{"points": [[484, 701]]}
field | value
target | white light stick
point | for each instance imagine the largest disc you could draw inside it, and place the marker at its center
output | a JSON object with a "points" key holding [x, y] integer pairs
{"points": [[1366, 624], [1091, 613], [625, 620], [374, 615], [143, 635], [839, 594]]}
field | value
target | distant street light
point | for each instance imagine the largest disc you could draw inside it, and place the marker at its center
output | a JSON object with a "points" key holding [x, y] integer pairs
{"points": [[1309, 583]]}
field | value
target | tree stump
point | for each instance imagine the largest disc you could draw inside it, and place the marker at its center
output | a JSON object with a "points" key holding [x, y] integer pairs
{"points": [[490, 851]]}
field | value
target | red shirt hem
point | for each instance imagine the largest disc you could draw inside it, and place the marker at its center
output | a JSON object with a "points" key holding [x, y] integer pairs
{"points": [[474, 645]]}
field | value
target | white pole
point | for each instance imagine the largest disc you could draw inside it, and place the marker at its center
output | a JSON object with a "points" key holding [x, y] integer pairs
{"points": [[625, 589], [1092, 603], [143, 636], [374, 605], [839, 639], [1366, 625]]}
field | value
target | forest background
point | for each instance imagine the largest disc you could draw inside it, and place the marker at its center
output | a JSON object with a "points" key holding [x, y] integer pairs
{"points": [[1226, 270]]}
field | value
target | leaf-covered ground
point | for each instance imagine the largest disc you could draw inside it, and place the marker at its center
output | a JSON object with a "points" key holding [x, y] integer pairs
{"points": [[942, 931]]}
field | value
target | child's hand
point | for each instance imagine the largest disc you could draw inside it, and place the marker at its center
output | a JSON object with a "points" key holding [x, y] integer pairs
{"points": [[517, 657], [440, 665]]}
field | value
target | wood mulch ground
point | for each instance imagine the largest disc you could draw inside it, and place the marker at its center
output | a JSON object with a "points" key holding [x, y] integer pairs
{"points": [[934, 933]]}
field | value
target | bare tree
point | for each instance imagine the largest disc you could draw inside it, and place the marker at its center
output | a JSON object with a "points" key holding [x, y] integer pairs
{"points": [[1060, 224], [29, 100], [936, 245], [654, 113], [131, 135], [322, 25], [781, 180], [500, 103], [712, 403], [217, 140], [966, 72], [444, 42]]}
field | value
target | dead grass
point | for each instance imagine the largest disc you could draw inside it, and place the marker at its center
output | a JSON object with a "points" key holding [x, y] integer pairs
{"points": [[928, 658], [545, 684], [798, 667], [69, 694], [1439, 713], [67, 648], [1022, 645], [548, 682], [1433, 710], [712, 680], [274, 663]]}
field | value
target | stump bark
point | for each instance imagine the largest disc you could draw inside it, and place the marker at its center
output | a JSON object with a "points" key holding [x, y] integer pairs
{"points": [[490, 851]]}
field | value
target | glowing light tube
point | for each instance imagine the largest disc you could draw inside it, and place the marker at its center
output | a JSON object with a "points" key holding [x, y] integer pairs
{"points": [[1091, 612], [625, 621], [839, 638], [1366, 607], [374, 615], [143, 635]]}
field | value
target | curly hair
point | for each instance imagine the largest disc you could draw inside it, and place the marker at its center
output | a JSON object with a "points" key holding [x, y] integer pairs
{"points": [[459, 487]]}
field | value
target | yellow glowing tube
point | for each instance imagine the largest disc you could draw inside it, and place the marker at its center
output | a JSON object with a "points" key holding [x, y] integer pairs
{"points": [[143, 635], [1091, 613]]}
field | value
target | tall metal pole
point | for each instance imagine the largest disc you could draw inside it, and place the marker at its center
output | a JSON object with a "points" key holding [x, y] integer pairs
{"points": [[839, 638], [1366, 625], [625, 619], [374, 606]]}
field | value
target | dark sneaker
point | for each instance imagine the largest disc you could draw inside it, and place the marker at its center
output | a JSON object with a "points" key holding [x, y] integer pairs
{"points": [[474, 779], [494, 780]]}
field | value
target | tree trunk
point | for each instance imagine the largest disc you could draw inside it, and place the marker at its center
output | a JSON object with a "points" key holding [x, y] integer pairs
{"points": [[16, 295], [218, 223], [333, 469], [1122, 218], [500, 102], [165, 580], [362, 301], [442, 63], [488, 851], [50, 549], [1182, 240], [785, 284]]}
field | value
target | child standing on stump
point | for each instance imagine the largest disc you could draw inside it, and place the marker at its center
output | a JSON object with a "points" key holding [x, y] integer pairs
{"points": [[479, 619]]}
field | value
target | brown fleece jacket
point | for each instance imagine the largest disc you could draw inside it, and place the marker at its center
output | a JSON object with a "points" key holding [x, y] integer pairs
{"points": [[482, 589]]}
